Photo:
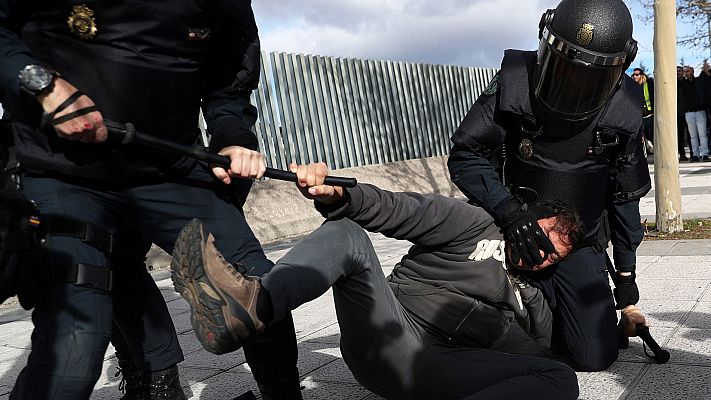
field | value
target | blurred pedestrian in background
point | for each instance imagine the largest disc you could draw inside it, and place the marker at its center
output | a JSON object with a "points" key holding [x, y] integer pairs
{"points": [[692, 98], [647, 84]]}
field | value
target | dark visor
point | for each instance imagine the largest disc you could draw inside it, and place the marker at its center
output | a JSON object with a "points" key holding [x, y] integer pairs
{"points": [[569, 86]]}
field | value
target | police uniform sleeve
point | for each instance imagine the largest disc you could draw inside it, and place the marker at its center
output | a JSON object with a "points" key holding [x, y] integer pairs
{"points": [[14, 54], [231, 74], [631, 182], [476, 141], [626, 233]]}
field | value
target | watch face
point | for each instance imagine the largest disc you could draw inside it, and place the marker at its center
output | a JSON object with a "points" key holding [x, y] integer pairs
{"points": [[36, 78]]}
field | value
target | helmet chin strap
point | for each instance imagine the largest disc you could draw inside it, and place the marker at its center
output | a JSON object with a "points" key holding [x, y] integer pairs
{"points": [[574, 125], [555, 122], [546, 114]]}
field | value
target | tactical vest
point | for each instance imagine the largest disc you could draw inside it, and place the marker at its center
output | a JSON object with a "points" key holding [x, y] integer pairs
{"points": [[580, 164]]}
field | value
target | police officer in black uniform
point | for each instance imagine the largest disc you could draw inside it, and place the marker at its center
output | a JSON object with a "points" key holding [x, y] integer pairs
{"points": [[564, 123], [65, 66]]}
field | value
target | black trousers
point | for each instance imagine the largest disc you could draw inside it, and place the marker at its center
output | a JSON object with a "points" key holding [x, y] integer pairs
{"points": [[648, 125], [584, 317], [386, 349], [73, 324], [682, 136]]}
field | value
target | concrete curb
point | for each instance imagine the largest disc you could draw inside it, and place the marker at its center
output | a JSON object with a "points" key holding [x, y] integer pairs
{"points": [[276, 210]]}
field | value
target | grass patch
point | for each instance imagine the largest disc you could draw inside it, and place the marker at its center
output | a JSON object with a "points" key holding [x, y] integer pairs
{"points": [[693, 229]]}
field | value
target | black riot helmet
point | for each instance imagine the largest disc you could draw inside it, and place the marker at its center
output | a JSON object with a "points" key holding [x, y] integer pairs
{"points": [[585, 47]]}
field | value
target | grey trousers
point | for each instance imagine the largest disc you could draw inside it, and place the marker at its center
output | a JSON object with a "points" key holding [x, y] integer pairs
{"points": [[385, 349]]}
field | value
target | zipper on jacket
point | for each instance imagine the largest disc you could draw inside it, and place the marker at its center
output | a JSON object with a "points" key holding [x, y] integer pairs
{"points": [[461, 322]]}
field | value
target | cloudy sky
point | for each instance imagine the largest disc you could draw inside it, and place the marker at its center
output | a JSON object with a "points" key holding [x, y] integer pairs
{"points": [[460, 32]]}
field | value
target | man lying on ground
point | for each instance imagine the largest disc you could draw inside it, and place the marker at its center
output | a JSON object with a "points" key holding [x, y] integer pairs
{"points": [[420, 333]]}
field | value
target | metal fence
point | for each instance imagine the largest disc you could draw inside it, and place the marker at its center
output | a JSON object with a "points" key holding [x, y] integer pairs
{"points": [[352, 112]]}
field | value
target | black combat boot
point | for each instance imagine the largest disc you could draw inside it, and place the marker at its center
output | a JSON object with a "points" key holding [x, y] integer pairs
{"points": [[131, 384], [284, 389], [163, 384]]}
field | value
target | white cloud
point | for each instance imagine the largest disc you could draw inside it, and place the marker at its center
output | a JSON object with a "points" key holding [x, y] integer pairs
{"points": [[462, 32]]}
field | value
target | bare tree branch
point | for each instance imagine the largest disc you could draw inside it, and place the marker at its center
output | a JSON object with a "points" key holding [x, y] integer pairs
{"points": [[688, 12]]}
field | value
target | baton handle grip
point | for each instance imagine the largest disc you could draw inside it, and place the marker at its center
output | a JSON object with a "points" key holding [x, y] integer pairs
{"points": [[126, 134], [273, 173], [291, 177]]}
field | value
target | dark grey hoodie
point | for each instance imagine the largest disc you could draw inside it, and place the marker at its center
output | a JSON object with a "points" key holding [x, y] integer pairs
{"points": [[454, 280]]}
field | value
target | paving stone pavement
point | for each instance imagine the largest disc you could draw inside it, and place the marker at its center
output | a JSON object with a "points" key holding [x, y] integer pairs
{"points": [[674, 280]]}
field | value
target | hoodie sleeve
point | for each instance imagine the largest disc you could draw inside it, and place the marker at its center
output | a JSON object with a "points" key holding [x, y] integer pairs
{"points": [[424, 219], [537, 321]]}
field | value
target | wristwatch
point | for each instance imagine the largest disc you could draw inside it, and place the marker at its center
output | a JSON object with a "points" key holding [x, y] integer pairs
{"points": [[37, 79]]}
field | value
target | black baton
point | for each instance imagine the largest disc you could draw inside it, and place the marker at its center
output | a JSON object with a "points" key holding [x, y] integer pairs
{"points": [[661, 356], [127, 134]]}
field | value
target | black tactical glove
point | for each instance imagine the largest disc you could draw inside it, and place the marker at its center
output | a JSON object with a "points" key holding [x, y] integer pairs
{"points": [[523, 235], [625, 292]]}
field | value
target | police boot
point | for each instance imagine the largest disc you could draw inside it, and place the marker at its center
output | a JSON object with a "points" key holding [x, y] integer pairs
{"points": [[131, 384], [163, 384], [284, 389]]}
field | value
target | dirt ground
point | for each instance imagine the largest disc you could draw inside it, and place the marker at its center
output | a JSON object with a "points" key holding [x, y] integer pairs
{"points": [[693, 229]]}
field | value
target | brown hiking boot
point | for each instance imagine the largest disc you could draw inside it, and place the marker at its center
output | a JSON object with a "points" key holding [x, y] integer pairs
{"points": [[223, 302]]}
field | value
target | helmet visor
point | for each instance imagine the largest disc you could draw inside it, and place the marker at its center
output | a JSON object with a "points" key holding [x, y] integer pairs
{"points": [[571, 88]]}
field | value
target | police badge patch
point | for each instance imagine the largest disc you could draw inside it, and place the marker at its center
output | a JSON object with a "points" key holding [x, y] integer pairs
{"points": [[81, 22], [585, 34], [525, 149], [492, 87]]}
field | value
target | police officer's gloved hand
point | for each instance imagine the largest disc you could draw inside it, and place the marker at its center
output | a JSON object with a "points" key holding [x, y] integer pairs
{"points": [[519, 223], [626, 292]]}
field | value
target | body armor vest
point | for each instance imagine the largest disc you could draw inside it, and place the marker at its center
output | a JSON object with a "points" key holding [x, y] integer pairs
{"points": [[560, 160]]}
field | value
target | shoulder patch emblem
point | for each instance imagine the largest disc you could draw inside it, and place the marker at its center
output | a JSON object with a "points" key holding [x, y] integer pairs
{"points": [[493, 86]]}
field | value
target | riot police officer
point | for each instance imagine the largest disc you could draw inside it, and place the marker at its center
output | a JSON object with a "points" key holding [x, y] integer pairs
{"points": [[64, 67], [565, 123]]}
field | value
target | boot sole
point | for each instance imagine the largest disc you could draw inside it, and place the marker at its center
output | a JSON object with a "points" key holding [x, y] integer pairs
{"points": [[207, 313]]}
